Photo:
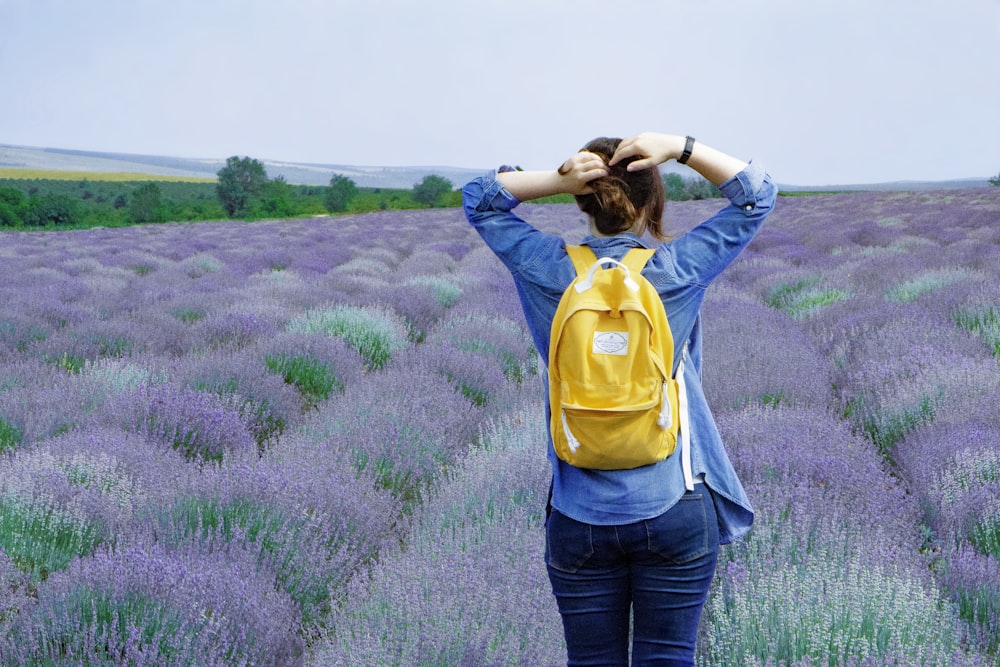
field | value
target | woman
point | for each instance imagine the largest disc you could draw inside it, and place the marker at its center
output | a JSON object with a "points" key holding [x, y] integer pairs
{"points": [[643, 540]]}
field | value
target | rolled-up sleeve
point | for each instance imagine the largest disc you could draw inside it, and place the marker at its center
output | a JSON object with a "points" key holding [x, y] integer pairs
{"points": [[747, 188], [486, 194]]}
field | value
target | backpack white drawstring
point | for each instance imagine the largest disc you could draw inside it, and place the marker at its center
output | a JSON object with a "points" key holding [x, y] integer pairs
{"points": [[685, 429], [666, 418]]}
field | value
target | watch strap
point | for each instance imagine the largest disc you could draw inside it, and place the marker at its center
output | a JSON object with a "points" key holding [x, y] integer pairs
{"points": [[688, 147]]}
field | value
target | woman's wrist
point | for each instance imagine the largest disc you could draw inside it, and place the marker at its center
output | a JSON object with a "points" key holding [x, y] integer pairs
{"points": [[673, 147]]}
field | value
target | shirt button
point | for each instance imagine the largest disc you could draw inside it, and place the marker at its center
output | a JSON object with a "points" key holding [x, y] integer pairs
{"points": [[748, 207]]}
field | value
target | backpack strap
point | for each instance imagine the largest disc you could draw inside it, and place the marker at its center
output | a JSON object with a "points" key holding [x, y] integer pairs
{"points": [[637, 258], [583, 258]]}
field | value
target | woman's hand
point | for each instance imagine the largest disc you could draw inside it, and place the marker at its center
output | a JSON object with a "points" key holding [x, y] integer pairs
{"points": [[579, 170], [652, 149]]}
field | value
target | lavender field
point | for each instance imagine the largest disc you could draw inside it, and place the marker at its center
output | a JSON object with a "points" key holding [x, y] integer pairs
{"points": [[321, 441]]}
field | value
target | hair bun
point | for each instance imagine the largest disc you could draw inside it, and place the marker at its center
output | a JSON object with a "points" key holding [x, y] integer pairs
{"points": [[621, 197]]}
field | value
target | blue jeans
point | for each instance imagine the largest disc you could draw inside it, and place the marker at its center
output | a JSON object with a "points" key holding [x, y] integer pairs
{"points": [[659, 569]]}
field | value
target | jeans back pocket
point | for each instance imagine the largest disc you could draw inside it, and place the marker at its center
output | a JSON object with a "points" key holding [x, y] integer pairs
{"points": [[686, 531], [569, 543]]}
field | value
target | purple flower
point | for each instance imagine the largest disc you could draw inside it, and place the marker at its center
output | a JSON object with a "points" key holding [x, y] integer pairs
{"points": [[149, 606], [199, 424]]}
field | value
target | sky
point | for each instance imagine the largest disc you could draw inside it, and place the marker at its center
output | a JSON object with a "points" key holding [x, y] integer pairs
{"points": [[820, 91]]}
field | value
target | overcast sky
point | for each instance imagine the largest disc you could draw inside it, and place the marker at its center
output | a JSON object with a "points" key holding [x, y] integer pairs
{"points": [[821, 91]]}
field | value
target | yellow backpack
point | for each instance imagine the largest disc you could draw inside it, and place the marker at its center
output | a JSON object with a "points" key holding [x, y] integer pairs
{"points": [[614, 403]]}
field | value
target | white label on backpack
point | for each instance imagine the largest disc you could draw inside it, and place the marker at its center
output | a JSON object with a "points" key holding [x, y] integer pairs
{"points": [[610, 342]]}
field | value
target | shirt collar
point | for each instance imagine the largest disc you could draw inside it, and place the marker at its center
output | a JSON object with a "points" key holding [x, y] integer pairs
{"points": [[623, 240]]}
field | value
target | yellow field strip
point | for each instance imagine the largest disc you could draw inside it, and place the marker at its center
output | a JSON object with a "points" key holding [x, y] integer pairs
{"points": [[57, 175]]}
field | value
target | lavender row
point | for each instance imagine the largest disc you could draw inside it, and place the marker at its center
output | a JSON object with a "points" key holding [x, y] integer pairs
{"points": [[169, 410], [469, 587], [901, 299]]}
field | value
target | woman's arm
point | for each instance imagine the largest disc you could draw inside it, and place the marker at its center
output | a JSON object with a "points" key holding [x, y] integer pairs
{"points": [[571, 178], [653, 149]]}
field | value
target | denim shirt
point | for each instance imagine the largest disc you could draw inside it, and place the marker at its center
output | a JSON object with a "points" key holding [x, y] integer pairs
{"points": [[680, 270]]}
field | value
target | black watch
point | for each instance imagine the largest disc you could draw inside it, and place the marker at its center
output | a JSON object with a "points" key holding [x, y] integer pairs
{"points": [[688, 146]]}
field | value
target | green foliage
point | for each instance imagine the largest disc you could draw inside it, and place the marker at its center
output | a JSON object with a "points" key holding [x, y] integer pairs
{"points": [[189, 315], [445, 291], [145, 205], [241, 181], [430, 190], [245, 191], [9, 216], [71, 363], [673, 186], [985, 536], [699, 188], [265, 426], [985, 322], [375, 333], [111, 203], [104, 347], [773, 399], [10, 437], [104, 203], [767, 399], [888, 429], [926, 282], [275, 200], [995, 180], [12, 207], [41, 540], [128, 619], [314, 379], [273, 535], [202, 517], [339, 194], [830, 612], [554, 199], [676, 188], [12, 197], [50, 210], [804, 297]]}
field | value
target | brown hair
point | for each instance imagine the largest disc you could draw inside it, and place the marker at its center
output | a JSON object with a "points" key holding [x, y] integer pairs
{"points": [[622, 197]]}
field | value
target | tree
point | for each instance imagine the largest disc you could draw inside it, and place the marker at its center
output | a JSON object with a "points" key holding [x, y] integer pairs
{"points": [[274, 199], [51, 209], [145, 205], [9, 217], [12, 204], [340, 193], [430, 190], [995, 180], [240, 182], [674, 187], [699, 188]]}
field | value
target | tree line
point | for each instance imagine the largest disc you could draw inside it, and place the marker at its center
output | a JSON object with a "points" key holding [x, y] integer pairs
{"points": [[243, 190]]}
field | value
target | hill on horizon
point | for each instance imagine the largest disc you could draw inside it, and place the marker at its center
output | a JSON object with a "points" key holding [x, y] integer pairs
{"points": [[300, 173], [61, 159]]}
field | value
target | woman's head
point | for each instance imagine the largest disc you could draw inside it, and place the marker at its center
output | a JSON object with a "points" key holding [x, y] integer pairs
{"points": [[623, 201]]}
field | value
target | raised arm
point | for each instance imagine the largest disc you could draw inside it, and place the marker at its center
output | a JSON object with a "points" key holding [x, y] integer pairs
{"points": [[570, 178], [654, 148]]}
